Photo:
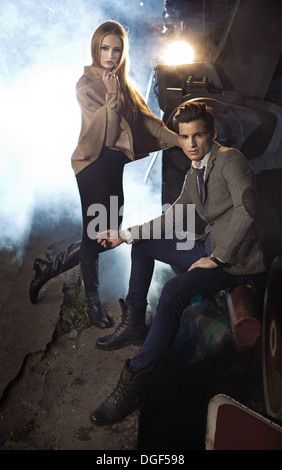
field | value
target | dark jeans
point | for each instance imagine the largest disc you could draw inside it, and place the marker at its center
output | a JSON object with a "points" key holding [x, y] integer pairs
{"points": [[97, 183], [176, 294]]}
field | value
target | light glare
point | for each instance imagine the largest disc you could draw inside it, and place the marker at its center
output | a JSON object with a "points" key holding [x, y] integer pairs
{"points": [[178, 52]]}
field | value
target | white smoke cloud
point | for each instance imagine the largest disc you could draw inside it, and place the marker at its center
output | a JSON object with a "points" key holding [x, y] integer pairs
{"points": [[44, 46]]}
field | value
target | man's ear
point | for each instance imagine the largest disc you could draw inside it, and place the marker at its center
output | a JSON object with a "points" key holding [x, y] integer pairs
{"points": [[214, 134], [179, 140]]}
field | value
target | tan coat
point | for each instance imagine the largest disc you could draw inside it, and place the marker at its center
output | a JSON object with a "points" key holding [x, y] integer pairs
{"points": [[229, 209], [101, 126]]}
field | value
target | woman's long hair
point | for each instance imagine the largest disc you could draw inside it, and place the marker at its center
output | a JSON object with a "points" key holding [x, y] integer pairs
{"points": [[130, 101]]}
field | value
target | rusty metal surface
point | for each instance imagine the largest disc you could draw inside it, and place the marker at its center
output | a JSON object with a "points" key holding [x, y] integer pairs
{"points": [[246, 328]]}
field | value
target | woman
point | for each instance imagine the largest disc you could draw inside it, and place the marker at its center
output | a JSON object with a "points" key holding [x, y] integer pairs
{"points": [[117, 127]]}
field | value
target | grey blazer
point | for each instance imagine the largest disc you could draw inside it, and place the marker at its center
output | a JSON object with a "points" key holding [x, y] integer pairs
{"points": [[229, 209]]}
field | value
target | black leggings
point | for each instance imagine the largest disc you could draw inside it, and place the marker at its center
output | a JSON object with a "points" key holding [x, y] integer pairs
{"points": [[96, 184]]}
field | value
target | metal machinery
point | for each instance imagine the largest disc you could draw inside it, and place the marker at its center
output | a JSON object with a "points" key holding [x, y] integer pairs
{"points": [[237, 70]]}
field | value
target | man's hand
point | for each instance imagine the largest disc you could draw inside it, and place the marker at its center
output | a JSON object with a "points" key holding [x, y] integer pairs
{"points": [[110, 239], [205, 263]]}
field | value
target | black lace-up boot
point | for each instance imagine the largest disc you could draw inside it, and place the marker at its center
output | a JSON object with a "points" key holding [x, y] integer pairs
{"points": [[126, 397], [46, 270], [131, 330]]}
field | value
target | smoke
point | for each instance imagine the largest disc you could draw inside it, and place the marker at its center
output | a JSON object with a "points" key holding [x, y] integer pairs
{"points": [[44, 45]]}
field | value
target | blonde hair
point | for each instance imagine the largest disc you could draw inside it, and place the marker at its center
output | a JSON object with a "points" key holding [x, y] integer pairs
{"points": [[130, 101]]}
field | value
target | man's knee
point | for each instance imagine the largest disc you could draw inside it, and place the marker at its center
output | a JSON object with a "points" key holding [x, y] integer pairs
{"points": [[170, 293], [142, 248], [137, 250]]}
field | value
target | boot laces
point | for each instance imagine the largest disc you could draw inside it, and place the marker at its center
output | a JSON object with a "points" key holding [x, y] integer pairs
{"points": [[122, 324], [122, 389]]}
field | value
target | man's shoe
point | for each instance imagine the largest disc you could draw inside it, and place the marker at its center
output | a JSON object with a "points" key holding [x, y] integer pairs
{"points": [[131, 330], [126, 397]]}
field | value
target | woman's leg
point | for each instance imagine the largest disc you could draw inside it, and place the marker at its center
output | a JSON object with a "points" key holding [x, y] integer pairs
{"points": [[46, 270], [101, 193]]}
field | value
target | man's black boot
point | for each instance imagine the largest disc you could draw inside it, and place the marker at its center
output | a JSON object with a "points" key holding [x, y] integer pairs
{"points": [[46, 270], [95, 310], [126, 397], [131, 330]]}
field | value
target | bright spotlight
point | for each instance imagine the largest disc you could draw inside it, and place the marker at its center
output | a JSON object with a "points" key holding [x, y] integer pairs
{"points": [[178, 53]]}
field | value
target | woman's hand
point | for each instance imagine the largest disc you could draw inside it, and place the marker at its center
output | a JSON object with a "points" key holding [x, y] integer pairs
{"points": [[111, 81]]}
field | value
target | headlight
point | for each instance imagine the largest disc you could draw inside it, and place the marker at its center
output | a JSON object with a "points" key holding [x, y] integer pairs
{"points": [[177, 53]]}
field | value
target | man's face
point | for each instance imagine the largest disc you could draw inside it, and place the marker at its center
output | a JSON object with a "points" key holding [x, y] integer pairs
{"points": [[195, 141]]}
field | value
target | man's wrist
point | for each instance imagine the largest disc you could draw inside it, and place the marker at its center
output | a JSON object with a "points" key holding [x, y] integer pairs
{"points": [[217, 261], [126, 236]]}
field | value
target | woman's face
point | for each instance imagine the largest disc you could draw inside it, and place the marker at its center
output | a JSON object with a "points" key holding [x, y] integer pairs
{"points": [[110, 51]]}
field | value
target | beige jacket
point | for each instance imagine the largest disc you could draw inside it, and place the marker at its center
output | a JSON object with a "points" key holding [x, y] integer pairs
{"points": [[102, 126], [229, 209]]}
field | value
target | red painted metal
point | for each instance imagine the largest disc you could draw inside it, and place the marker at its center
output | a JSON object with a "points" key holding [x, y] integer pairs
{"points": [[233, 426]]}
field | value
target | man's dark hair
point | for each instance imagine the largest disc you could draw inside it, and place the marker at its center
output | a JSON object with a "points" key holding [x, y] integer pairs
{"points": [[192, 111]]}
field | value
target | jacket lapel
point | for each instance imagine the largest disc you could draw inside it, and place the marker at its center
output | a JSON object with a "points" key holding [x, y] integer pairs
{"points": [[212, 158], [214, 150]]}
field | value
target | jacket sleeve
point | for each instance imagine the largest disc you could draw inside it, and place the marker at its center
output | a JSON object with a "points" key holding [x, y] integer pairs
{"points": [[113, 120], [240, 180], [100, 124], [159, 130], [171, 220]]}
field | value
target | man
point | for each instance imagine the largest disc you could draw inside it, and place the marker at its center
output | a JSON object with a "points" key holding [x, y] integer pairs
{"points": [[221, 184]]}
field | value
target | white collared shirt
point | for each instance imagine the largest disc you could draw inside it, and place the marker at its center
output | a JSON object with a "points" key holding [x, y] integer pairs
{"points": [[203, 162]]}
